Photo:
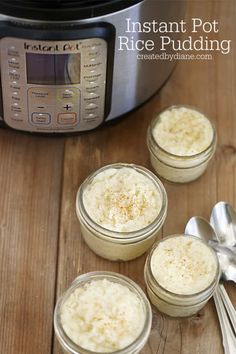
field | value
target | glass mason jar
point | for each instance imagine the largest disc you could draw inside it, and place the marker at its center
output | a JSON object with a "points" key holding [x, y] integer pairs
{"points": [[69, 346], [173, 304], [177, 168], [115, 245]]}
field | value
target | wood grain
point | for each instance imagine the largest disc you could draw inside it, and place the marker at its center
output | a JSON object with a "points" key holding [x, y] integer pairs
{"points": [[30, 179], [41, 248]]}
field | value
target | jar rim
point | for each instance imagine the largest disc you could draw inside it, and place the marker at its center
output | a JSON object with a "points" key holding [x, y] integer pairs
{"points": [[127, 236], [148, 268], [82, 279], [174, 156]]}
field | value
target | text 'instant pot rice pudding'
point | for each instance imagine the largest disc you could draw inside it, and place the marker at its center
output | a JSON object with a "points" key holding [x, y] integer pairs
{"points": [[181, 274], [181, 141], [121, 208], [103, 312]]}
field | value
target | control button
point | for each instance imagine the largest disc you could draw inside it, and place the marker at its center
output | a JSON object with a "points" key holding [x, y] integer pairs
{"points": [[14, 75], [67, 118], [92, 78], [91, 96], [68, 106], [13, 63], [91, 116], [93, 52], [92, 84], [96, 44], [91, 71], [15, 96], [92, 60], [13, 72], [93, 87], [15, 107], [13, 51], [93, 65], [65, 94], [40, 118], [91, 106], [14, 85], [39, 95], [16, 115]]}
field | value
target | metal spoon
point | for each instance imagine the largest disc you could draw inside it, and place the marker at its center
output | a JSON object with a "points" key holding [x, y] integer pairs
{"points": [[227, 259], [223, 219], [200, 227]]}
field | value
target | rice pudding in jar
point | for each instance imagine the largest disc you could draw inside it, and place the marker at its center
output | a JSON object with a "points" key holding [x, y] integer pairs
{"points": [[103, 312], [121, 208], [181, 142], [181, 274]]}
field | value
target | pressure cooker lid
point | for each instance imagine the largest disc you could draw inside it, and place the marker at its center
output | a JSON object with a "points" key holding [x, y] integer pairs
{"points": [[62, 10]]}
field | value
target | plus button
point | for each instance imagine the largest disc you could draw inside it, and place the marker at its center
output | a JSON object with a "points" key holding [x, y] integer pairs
{"points": [[67, 107]]}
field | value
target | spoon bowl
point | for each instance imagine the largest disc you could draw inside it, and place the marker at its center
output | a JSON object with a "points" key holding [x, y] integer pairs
{"points": [[223, 220], [200, 227], [227, 259]]}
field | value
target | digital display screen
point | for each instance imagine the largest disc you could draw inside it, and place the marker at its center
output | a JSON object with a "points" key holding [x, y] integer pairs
{"points": [[53, 69]]}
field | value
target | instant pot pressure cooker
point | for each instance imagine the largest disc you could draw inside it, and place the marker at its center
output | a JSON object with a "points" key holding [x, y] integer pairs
{"points": [[62, 68]]}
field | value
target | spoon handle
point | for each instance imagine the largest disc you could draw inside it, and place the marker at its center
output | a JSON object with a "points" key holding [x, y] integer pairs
{"points": [[229, 339], [228, 305]]}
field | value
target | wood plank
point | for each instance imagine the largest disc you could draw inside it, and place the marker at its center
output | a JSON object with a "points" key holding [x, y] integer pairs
{"points": [[30, 180]]}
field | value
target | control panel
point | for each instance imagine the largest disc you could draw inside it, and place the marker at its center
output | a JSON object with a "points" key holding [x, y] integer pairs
{"points": [[53, 86]]}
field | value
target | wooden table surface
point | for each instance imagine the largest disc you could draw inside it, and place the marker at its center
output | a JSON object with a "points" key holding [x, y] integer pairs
{"points": [[41, 248]]}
